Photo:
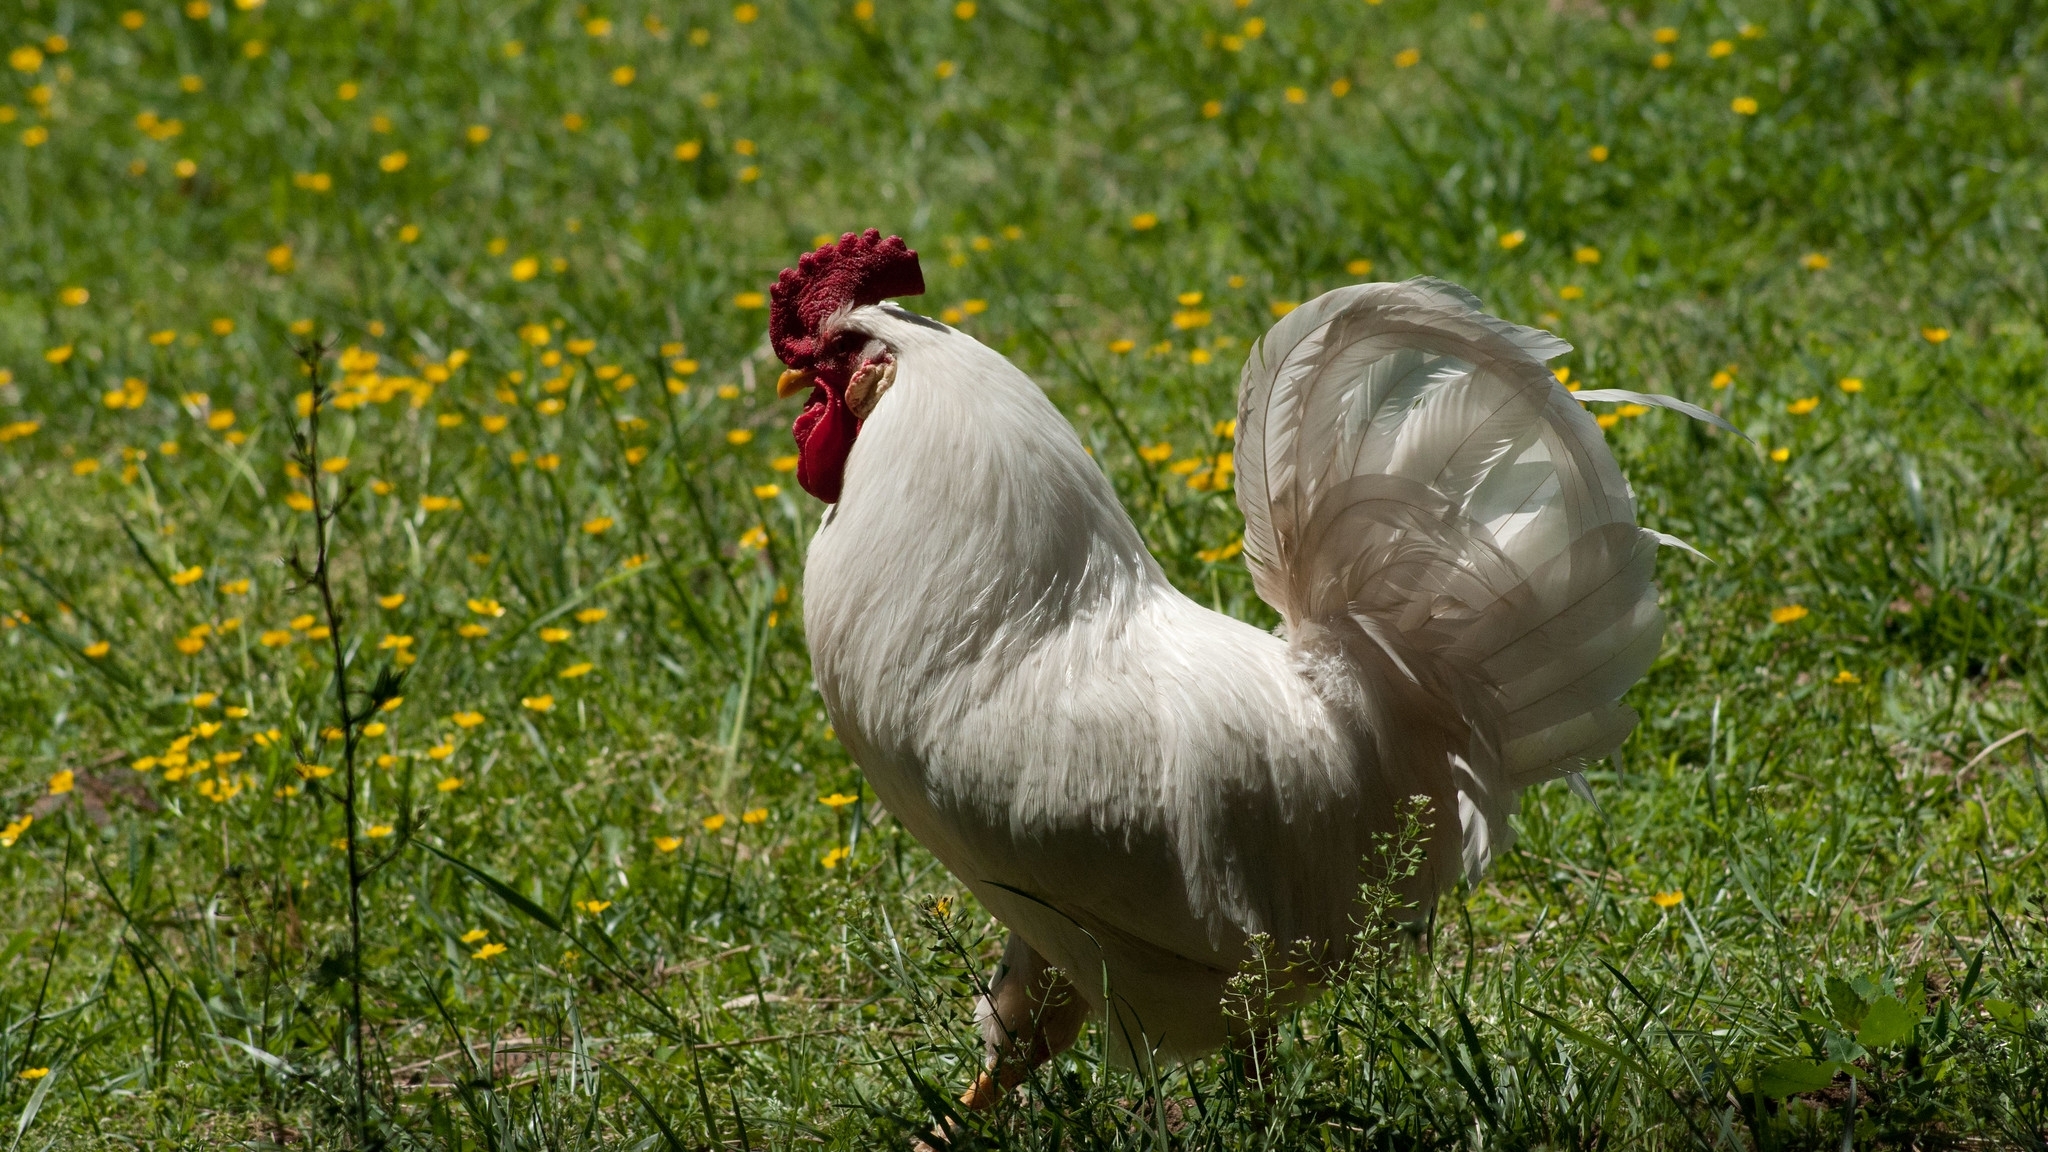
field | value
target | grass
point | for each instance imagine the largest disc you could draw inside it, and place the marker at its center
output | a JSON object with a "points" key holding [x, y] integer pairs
{"points": [[602, 904]]}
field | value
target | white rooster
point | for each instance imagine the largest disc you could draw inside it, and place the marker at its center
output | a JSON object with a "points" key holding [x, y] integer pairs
{"points": [[1133, 783]]}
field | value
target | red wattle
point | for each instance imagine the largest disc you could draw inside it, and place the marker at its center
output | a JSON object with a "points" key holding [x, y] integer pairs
{"points": [[824, 433]]}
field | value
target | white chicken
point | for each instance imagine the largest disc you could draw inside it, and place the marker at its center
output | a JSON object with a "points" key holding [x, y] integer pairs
{"points": [[1135, 784]]}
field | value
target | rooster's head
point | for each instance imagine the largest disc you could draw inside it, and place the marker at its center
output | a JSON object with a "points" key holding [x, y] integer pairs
{"points": [[860, 269]]}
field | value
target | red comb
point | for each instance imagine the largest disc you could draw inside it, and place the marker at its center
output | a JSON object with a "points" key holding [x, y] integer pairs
{"points": [[859, 269]]}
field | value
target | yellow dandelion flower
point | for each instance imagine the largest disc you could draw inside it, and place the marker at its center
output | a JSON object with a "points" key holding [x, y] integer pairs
{"points": [[837, 800], [1668, 900], [1144, 221], [61, 783], [98, 649], [597, 525], [1780, 455], [754, 816], [1743, 105], [667, 843], [750, 301], [392, 161], [1220, 553], [1788, 614], [554, 635], [1850, 384], [1814, 262], [32, 1073], [1845, 676], [832, 859], [542, 703], [1934, 335], [574, 671], [1513, 240], [474, 935], [378, 831], [488, 951], [442, 752], [783, 463], [1407, 57], [1597, 153], [1586, 254], [1803, 405]]}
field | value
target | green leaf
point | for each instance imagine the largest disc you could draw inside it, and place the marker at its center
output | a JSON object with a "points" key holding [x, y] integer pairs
{"points": [[1888, 1022], [1795, 1074], [1847, 1005], [506, 892]]}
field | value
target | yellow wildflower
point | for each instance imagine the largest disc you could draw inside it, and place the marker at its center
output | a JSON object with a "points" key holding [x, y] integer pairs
{"points": [[1788, 614]]}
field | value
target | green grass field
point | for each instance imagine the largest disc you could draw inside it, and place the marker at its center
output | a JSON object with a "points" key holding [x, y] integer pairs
{"points": [[622, 889]]}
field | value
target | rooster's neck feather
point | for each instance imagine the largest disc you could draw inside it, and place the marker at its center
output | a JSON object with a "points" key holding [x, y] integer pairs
{"points": [[971, 520]]}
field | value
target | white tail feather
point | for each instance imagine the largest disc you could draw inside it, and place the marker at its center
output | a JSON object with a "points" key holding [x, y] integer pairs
{"points": [[1422, 498]]}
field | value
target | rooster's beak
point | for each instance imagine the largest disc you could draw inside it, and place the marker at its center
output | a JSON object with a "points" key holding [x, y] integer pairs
{"points": [[792, 382]]}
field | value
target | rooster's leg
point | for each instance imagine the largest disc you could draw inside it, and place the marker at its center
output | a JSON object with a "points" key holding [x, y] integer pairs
{"points": [[1030, 1015]]}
